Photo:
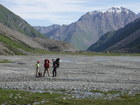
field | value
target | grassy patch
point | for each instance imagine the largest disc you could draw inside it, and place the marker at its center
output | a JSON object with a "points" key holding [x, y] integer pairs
{"points": [[110, 54], [13, 97], [97, 54], [5, 61]]}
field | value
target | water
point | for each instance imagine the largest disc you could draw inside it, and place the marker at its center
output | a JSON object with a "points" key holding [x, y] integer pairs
{"points": [[76, 94]]}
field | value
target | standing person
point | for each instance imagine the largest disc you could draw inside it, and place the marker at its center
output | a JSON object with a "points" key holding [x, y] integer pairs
{"points": [[46, 67], [54, 68], [56, 65], [37, 68]]}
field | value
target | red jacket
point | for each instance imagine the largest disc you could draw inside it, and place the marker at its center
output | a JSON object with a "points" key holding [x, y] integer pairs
{"points": [[46, 63]]}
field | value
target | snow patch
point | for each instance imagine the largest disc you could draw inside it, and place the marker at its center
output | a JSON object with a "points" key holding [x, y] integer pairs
{"points": [[117, 9]]}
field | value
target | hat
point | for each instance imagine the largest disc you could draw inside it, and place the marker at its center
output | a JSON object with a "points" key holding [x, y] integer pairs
{"points": [[38, 61]]}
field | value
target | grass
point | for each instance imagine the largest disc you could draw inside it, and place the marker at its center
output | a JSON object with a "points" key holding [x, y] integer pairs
{"points": [[5, 61], [110, 54], [97, 54], [14, 97]]}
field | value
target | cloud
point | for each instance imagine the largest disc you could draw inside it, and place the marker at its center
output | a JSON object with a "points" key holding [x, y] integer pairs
{"points": [[60, 11], [46, 9], [48, 5], [133, 6]]}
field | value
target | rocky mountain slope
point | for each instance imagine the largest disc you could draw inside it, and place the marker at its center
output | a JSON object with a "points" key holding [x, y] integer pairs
{"points": [[18, 37], [13, 42], [90, 27], [126, 39], [16, 43], [138, 14]]}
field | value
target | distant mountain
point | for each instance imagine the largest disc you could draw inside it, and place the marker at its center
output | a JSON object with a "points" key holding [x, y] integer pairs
{"points": [[18, 37], [53, 31], [90, 27], [44, 30], [126, 39]]}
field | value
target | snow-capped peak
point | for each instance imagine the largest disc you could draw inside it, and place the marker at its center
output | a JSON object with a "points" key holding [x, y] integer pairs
{"points": [[117, 9], [94, 12]]}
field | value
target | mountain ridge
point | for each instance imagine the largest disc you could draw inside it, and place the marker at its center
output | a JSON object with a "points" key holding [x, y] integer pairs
{"points": [[123, 40], [19, 37], [91, 26]]}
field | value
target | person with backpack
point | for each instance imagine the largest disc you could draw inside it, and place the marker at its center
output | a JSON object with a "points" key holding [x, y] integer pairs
{"points": [[46, 67], [54, 68], [56, 65]]}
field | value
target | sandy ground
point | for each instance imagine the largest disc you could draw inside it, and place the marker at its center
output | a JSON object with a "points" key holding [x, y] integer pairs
{"points": [[76, 72]]}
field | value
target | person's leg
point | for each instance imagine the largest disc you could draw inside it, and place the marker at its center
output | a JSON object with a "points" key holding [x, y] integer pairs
{"points": [[36, 72], [44, 72], [48, 72], [54, 69], [55, 72]]}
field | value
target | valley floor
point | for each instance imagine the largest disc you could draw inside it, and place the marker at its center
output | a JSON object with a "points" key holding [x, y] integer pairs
{"points": [[76, 72]]}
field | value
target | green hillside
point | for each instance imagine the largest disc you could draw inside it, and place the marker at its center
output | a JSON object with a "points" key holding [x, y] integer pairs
{"points": [[14, 22]]}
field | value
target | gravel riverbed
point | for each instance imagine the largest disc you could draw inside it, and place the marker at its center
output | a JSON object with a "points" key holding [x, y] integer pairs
{"points": [[76, 72]]}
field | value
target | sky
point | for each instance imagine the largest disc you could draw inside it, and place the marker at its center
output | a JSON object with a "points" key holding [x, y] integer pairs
{"points": [[62, 12]]}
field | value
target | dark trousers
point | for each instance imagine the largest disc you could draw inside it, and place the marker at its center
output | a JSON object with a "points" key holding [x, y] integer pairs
{"points": [[54, 72]]}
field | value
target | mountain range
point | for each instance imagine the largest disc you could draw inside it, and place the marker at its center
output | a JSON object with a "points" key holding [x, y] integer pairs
{"points": [[19, 37], [114, 30], [90, 27], [126, 39]]}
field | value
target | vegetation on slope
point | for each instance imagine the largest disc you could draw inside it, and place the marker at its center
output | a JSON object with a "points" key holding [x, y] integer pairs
{"points": [[17, 47], [15, 22]]}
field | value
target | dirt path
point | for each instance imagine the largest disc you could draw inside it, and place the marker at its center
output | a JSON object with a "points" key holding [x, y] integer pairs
{"points": [[75, 73]]}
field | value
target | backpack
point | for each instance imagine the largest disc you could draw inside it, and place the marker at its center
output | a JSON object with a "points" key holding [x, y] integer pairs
{"points": [[39, 74], [54, 64], [46, 63], [57, 62]]}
